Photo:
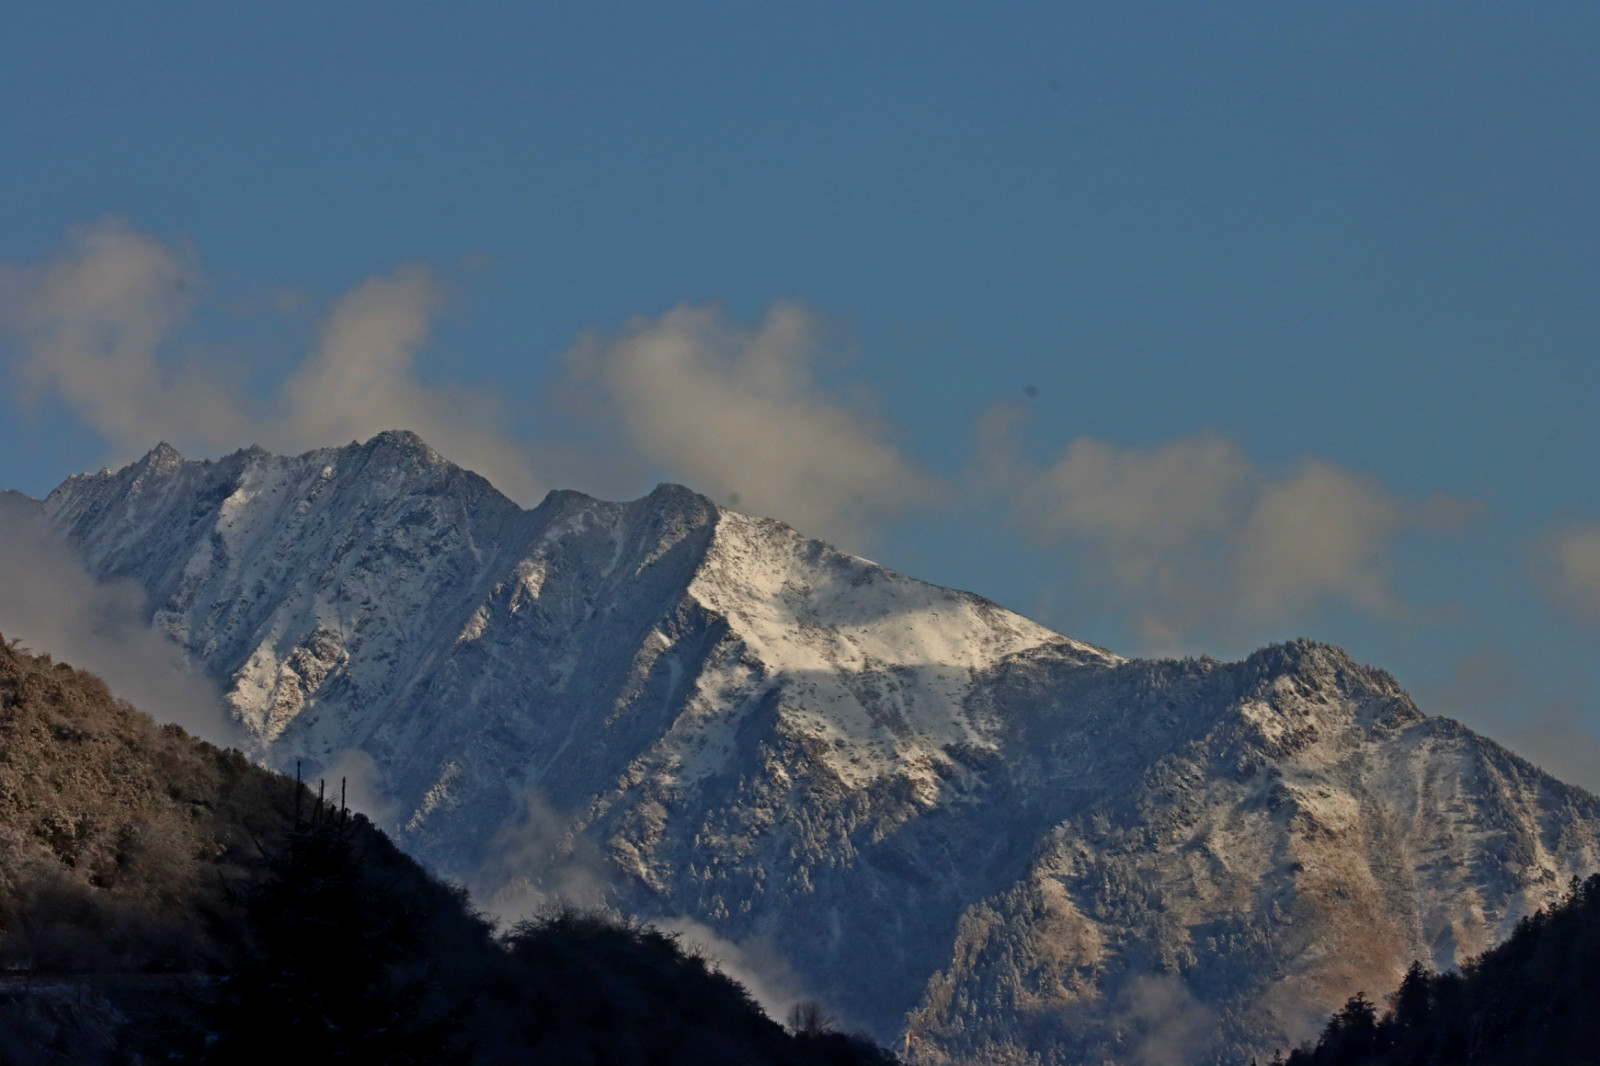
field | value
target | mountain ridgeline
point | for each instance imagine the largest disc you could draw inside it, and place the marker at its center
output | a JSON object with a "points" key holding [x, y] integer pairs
{"points": [[165, 901], [977, 838]]}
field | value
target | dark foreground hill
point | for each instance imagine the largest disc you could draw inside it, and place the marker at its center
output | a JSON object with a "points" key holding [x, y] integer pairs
{"points": [[1531, 1001], [163, 900]]}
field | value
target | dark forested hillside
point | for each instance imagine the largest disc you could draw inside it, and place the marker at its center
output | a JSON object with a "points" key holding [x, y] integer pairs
{"points": [[119, 838], [1532, 1001], [163, 900]]}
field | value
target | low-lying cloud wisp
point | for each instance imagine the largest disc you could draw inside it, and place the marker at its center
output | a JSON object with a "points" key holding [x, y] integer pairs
{"points": [[539, 859], [357, 776], [51, 603], [755, 964], [1163, 1022]]}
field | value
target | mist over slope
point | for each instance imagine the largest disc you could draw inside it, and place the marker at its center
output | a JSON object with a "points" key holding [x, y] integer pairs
{"points": [[960, 828]]}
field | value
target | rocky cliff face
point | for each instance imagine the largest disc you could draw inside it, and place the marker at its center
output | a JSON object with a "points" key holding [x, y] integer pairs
{"points": [[1299, 832], [925, 803]]}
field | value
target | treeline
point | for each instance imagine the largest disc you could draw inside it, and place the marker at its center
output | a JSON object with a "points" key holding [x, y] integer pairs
{"points": [[164, 901], [1532, 1001]]}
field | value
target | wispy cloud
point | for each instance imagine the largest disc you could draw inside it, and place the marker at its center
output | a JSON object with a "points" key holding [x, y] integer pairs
{"points": [[96, 327], [1161, 1023], [754, 963], [356, 776], [91, 323], [362, 379], [49, 601], [1566, 569], [736, 412], [739, 414], [538, 858], [1190, 536]]}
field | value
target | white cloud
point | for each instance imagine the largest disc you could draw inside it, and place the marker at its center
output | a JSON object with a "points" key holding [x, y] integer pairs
{"points": [[1322, 533], [1566, 568], [1189, 536], [536, 860], [738, 413], [1161, 1023], [754, 963], [356, 776], [49, 601], [361, 380], [95, 324], [91, 324]]}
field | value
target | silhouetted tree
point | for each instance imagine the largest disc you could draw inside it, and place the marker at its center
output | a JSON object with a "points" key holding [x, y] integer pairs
{"points": [[1353, 1031], [1528, 1002], [1411, 1003], [341, 964], [810, 1018]]}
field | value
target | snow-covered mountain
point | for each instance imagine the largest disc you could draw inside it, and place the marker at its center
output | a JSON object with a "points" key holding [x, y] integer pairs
{"points": [[955, 825]]}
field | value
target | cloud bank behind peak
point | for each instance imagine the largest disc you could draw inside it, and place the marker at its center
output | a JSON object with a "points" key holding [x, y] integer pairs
{"points": [[1186, 538], [688, 396]]}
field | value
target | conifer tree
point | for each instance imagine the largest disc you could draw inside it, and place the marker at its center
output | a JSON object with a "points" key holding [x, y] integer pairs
{"points": [[340, 967]]}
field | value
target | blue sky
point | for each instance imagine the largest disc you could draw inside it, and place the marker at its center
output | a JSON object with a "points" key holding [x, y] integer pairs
{"points": [[1180, 327]]}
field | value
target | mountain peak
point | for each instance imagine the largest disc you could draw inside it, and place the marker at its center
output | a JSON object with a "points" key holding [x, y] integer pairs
{"points": [[401, 439], [1302, 656], [162, 456], [400, 442], [671, 490], [668, 496]]}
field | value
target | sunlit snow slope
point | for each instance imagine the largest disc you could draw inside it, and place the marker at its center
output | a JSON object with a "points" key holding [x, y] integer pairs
{"points": [[923, 802]]}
